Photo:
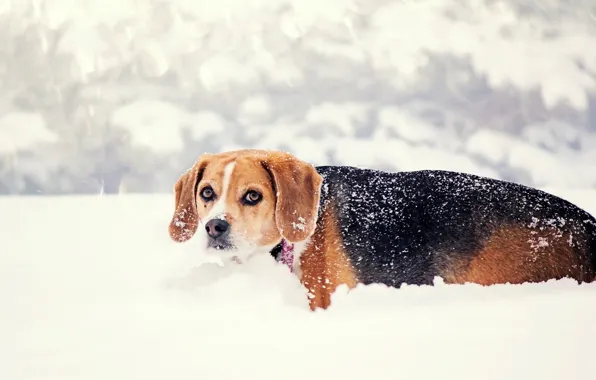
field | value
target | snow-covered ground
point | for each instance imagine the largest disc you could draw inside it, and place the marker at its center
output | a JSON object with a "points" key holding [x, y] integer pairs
{"points": [[93, 288]]}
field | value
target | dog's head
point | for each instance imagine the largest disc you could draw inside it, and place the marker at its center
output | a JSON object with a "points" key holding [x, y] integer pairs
{"points": [[246, 201]]}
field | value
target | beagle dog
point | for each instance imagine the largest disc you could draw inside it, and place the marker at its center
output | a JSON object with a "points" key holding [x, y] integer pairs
{"points": [[345, 225]]}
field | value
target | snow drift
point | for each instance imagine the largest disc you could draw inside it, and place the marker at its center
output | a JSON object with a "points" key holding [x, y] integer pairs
{"points": [[93, 288]]}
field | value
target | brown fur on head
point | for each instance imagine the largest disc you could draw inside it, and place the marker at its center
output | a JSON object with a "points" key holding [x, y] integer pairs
{"points": [[287, 208]]}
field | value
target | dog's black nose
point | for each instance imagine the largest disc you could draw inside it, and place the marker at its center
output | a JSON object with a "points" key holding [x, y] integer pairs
{"points": [[216, 227]]}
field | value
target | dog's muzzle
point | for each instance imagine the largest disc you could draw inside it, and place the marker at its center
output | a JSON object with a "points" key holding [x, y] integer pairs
{"points": [[218, 231]]}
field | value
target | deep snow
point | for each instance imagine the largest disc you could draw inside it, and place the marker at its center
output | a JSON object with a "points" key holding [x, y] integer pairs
{"points": [[93, 288], [120, 98]]}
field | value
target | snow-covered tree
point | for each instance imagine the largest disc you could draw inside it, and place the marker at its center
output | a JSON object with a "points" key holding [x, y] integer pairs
{"points": [[129, 96]]}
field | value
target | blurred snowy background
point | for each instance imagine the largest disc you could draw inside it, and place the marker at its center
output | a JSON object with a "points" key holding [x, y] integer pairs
{"points": [[121, 96]]}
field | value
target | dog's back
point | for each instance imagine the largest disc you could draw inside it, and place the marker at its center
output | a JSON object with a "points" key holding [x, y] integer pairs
{"points": [[409, 227], [592, 236]]}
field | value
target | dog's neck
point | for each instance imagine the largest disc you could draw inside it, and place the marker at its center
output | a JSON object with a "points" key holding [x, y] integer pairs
{"points": [[284, 252]]}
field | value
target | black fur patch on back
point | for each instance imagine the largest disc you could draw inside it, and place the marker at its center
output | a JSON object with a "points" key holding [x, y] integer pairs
{"points": [[402, 227]]}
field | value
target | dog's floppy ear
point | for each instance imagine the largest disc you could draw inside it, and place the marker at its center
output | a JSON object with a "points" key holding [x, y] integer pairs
{"points": [[297, 186], [185, 220]]}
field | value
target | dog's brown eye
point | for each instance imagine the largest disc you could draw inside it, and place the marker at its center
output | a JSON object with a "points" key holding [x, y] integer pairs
{"points": [[207, 193], [252, 197]]}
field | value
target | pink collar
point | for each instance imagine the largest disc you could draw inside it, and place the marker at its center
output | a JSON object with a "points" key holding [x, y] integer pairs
{"points": [[287, 254]]}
